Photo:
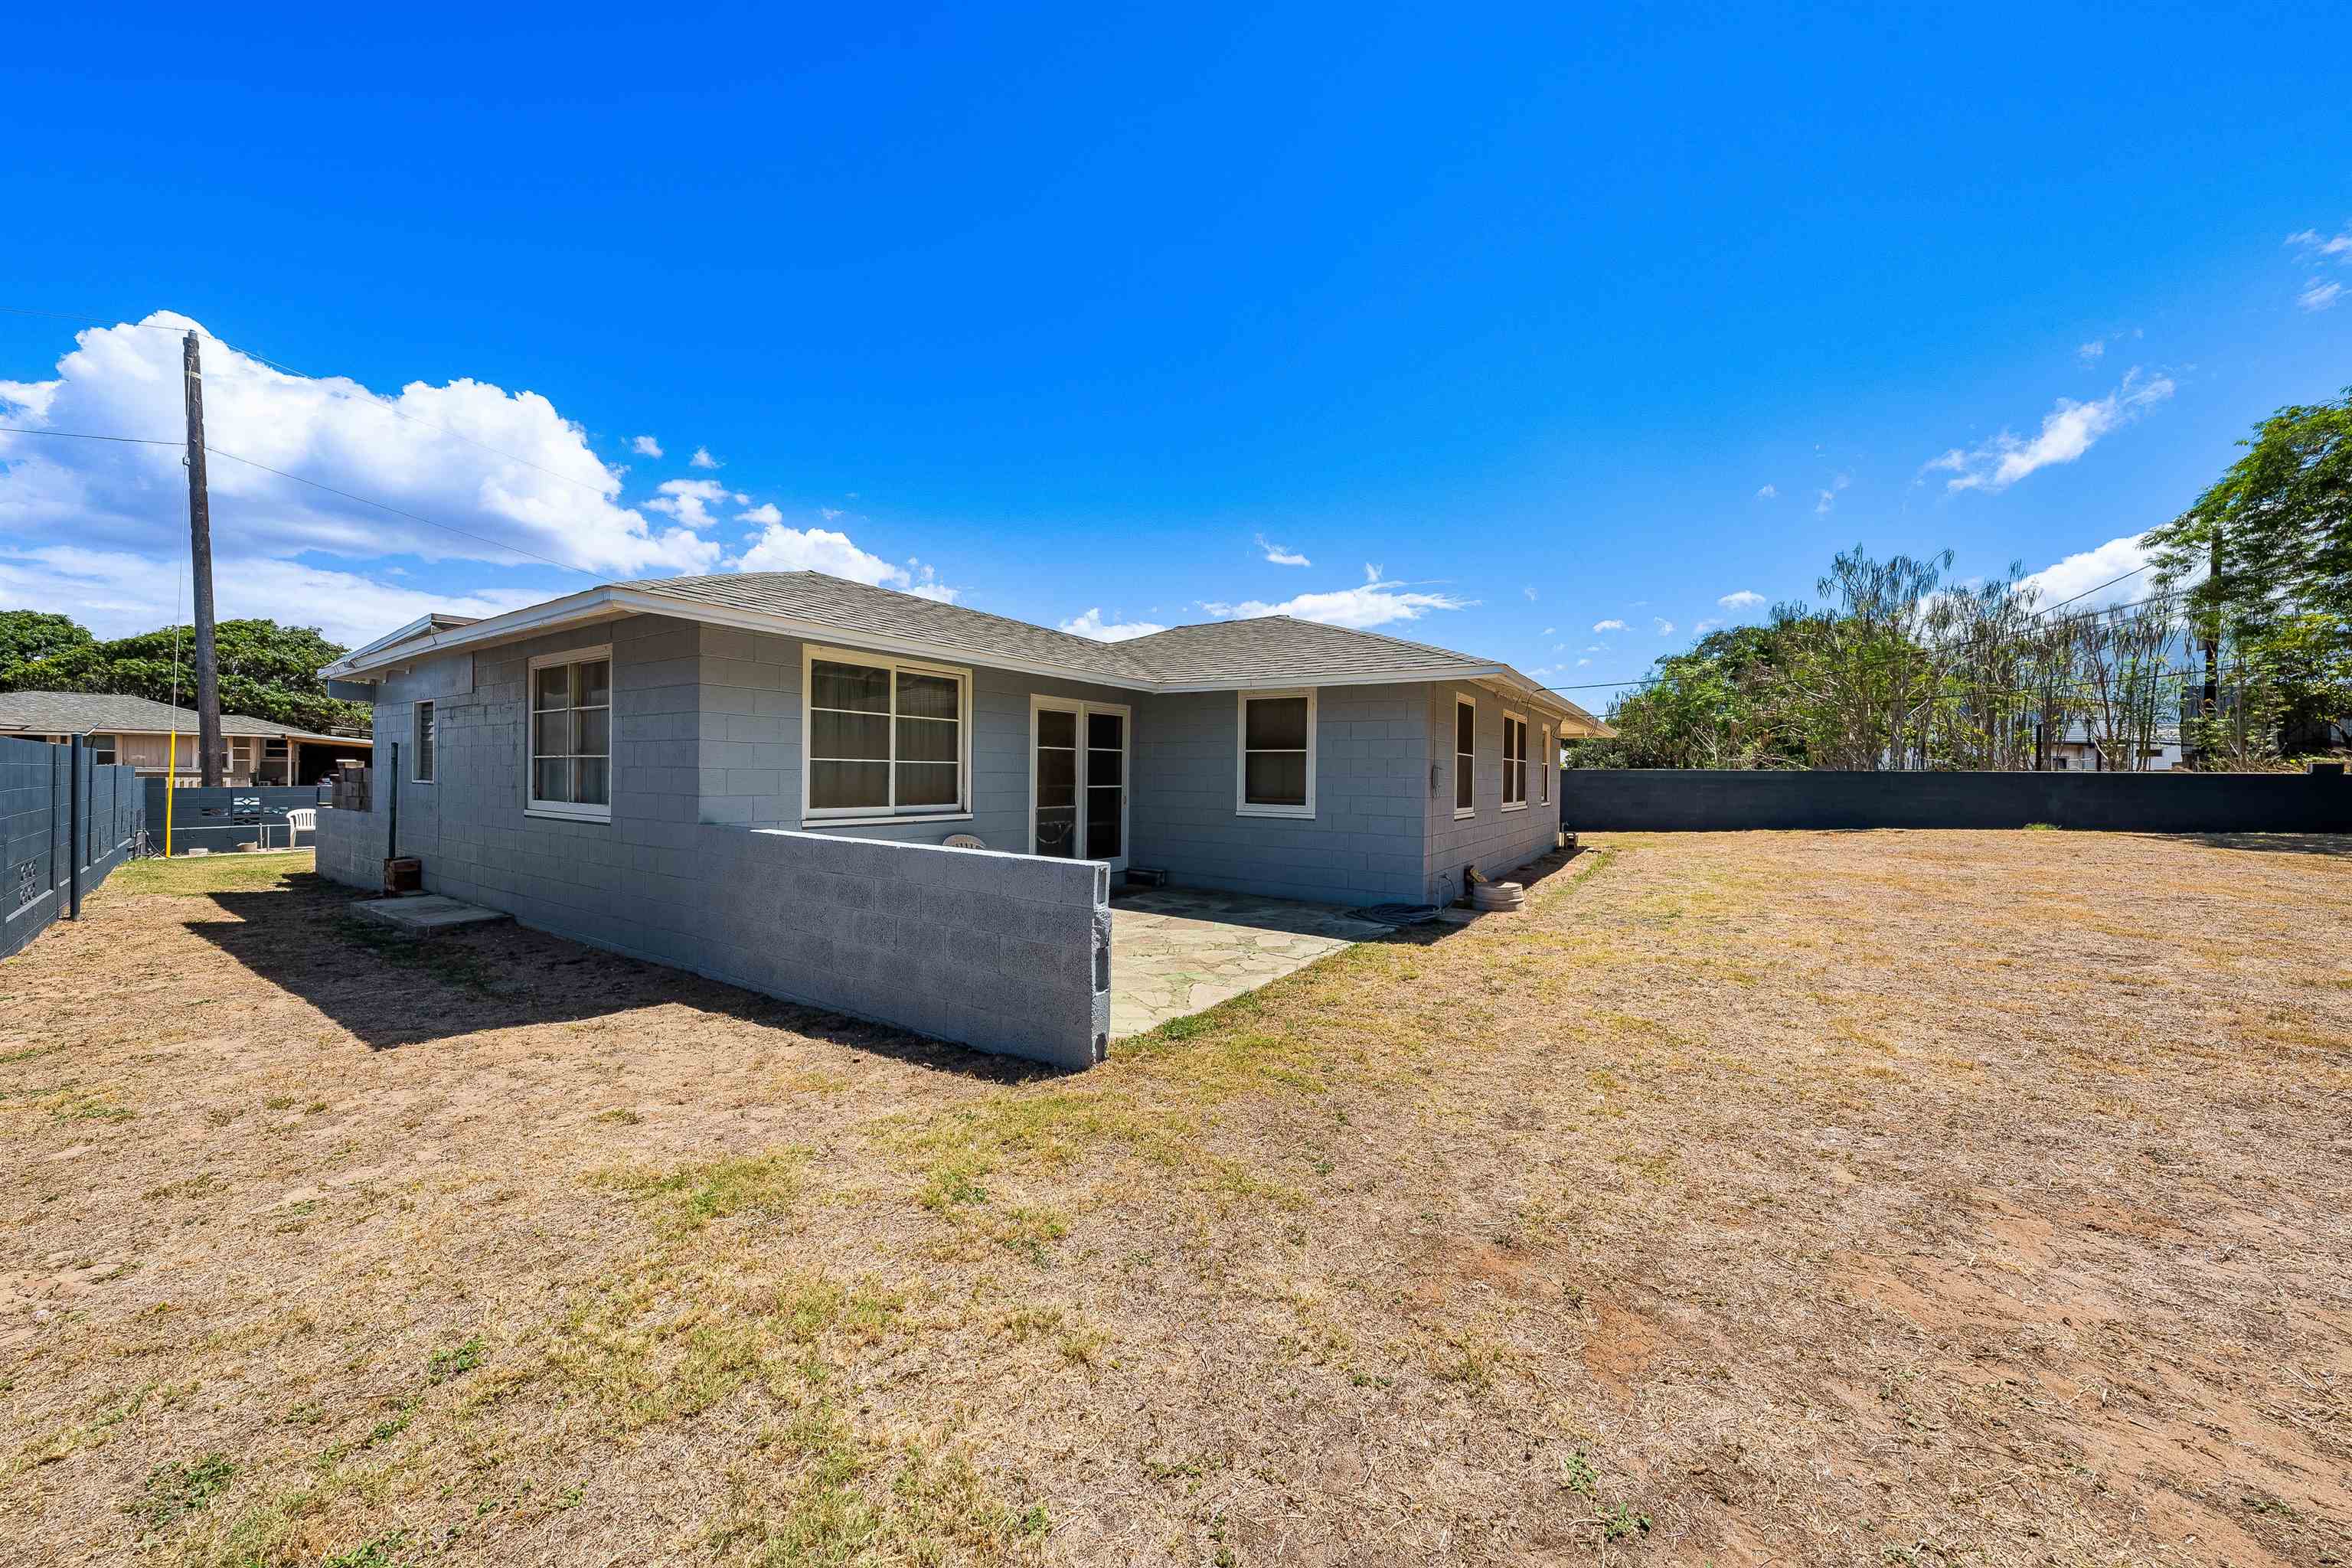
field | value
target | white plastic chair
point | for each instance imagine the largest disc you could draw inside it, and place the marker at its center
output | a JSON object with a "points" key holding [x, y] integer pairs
{"points": [[300, 820]]}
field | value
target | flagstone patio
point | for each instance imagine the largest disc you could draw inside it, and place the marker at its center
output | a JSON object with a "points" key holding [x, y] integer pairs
{"points": [[1176, 952]]}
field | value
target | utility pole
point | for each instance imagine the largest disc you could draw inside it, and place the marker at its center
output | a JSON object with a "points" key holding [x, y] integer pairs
{"points": [[200, 557], [2212, 706]]}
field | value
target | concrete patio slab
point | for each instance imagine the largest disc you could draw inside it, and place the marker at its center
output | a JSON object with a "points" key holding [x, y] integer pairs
{"points": [[425, 914], [1175, 952]]}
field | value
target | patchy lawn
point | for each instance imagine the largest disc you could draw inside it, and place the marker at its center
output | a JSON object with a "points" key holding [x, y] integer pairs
{"points": [[1871, 1198]]}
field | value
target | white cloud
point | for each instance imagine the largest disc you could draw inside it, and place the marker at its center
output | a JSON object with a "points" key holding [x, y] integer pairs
{"points": [[1091, 625], [828, 512], [1767, 492], [1597, 648], [2319, 294], [781, 549], [116, 592], [1704, 627], [2090, 352], [1376, 604], [702, 459], [690, 500], [645, 447], [1608, 626], [1741, 599], [1551, 631], [765, 512], [2088, 570], [1281, 554], [431, 450], [2312, 243], [2067, 432], [1823, 500], [1665, 627], [1583, 663], [1531, 591]]}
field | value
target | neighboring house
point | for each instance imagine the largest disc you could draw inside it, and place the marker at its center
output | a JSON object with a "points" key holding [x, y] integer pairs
{"points": [[135, 730], [569, 763], [2078, 751]]}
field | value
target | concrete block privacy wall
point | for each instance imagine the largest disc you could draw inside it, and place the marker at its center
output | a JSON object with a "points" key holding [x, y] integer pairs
{"points": [[1701, 800], [350, 848]]}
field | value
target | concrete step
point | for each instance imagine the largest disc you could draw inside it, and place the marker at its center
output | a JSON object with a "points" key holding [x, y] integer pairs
{"points": [[425, 913]]}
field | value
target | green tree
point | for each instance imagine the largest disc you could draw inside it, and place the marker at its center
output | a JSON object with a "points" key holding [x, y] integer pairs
{"points": [[266, 670], [36, 634]]}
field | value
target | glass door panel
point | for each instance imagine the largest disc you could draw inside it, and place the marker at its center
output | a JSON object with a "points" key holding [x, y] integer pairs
{"points": [[1105, 784], [1057, 791]]}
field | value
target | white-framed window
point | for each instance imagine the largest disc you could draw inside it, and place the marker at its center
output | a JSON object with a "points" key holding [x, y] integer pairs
{"points": [[1274, 761], [1515, 761], [571, 734], [1465, 755], [420, 744], [883, 737], [1550, 756]]}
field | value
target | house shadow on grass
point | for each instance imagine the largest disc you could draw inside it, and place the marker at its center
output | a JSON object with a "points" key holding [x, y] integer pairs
{"points": [[2335, 844], [392, 990]]}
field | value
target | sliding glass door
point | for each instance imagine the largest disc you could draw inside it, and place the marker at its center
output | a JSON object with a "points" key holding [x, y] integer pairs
{"points": [[1078, 780]]}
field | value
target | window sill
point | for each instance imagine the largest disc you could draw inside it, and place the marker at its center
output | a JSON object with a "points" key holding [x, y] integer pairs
{"points": [[1294, 813], [1517, 806], [1464, 813], [549, 814], [810, 824]]}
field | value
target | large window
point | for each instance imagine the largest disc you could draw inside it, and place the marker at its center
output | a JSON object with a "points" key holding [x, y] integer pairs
{"points": [[1515, 762], [1275, 772], [885, 737], [1466, 765], [571, 734], [102, 748], [420, 745]]}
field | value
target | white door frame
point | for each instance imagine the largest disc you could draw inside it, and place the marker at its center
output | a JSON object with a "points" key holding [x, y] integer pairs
{"points": [[1039, 703]]}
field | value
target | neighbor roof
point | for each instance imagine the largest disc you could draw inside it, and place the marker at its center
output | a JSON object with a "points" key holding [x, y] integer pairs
{"points": [[78, 713], [1270, 650]]}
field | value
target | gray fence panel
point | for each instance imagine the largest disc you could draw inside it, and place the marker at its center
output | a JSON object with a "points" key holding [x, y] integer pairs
{"points": [[38, 788], [1697, 800], [218, 820]]}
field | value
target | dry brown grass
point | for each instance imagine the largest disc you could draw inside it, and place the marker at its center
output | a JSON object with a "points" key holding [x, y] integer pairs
{"points": [[1867, 1198]]}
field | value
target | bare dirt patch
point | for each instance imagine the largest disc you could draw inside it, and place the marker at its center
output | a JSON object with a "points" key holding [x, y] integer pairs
{"points": [[1876, 1198]]}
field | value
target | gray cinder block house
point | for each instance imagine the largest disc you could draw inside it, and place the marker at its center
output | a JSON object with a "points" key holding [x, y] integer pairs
{"points": [[753, 775]]}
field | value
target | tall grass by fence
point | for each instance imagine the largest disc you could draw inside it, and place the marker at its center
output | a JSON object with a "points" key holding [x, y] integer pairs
{"points": [[65, 823]]}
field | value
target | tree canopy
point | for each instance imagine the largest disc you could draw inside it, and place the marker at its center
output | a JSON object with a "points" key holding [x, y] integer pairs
{"points": [[266, 670]]}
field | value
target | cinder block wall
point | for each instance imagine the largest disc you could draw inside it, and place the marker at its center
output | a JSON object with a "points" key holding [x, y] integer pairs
{"points": [[1005, 952], [350, 846], [1362, 845], [1495, 840]]}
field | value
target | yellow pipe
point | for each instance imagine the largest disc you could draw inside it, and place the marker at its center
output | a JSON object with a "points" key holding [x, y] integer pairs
{"points": [[170, 782]]}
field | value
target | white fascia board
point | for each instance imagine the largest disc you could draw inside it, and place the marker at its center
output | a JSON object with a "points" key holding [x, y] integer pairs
{"points": [[1477, 672], [586, 606]]}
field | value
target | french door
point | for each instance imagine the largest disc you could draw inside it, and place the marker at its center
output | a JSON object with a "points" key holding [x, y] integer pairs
{"points": [[1078, 780]]}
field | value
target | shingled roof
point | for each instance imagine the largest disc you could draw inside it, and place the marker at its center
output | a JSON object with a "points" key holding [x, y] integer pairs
{"points": [[78, 713], [1268, 651]]}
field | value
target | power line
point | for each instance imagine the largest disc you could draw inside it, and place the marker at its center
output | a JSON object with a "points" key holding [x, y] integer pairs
{"points": [[396, 511], [85, 436], [2088, 592], [91, 320]]}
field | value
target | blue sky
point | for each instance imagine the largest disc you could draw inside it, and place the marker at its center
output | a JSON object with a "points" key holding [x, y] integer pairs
{"points": [[1556, 318]]}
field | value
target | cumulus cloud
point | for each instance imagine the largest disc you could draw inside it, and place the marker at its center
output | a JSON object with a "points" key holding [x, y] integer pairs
{"points": [[2067, 432], [690, 500], [1608, 626], [1281, 554], [645, 447], [1377, 603], [1826, 498], [1665, 627], [1551, 631], [702, 459], [440, 452], [1741, 599], [2092, 351], [115, 593], [765, 512], [1767, 492], [1583, 663], [828, 512], [2092, 572], [782, 549], [1091, 625], [1531, 591], [1704, 627]]}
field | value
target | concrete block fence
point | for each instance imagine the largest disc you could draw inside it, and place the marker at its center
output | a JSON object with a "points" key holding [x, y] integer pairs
{"points": [[1003, 953]]}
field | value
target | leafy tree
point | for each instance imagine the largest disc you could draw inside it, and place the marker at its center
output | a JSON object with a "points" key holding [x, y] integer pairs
{"points": [[266, 670], [36, 634]]}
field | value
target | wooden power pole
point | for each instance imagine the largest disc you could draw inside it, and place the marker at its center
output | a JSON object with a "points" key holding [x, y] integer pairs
{"points": [[209, 749]]}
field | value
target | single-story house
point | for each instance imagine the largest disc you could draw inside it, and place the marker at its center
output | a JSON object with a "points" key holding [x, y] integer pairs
{"points": [[609, 765], [2078, 750], [135, 730]]}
